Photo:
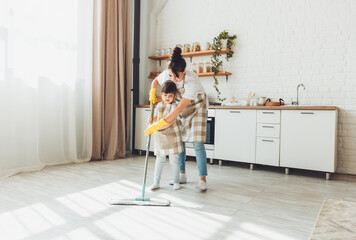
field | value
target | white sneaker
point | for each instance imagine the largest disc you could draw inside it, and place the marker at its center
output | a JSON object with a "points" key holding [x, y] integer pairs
{"points": [[201, 185], [176, 186], [182, 179], [154, 186]]}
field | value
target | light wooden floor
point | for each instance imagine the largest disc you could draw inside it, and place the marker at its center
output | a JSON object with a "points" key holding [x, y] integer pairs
{"points": [[70, 202]]}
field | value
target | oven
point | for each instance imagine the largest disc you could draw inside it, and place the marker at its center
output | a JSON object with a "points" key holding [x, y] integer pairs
{"points": [[210, 126], [210, 135]]}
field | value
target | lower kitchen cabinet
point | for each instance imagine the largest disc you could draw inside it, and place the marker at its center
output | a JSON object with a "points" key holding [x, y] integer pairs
{"points": [[267, 151], [308, 139], [142, 114], [235, 135]]}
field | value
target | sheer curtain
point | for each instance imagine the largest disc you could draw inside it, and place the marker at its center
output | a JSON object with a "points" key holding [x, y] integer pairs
{"points": [[45, 83]]}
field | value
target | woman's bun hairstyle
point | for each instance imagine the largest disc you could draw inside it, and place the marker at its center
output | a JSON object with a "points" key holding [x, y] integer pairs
{"points": [[176, 61], [176, 54]]}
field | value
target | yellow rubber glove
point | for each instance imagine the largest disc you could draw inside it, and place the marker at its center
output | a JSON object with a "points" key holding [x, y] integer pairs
{"points": [[155, 127], [152, 98]]}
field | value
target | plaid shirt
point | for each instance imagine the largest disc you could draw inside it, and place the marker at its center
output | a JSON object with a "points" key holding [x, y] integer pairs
{"points": [[193, 119], [167, 141]]}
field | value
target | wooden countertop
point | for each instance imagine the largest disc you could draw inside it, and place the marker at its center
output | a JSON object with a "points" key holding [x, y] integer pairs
{"points": [[284, 107]]}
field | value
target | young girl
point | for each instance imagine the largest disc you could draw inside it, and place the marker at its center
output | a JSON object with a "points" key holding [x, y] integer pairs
{"points": [[168, 140]]}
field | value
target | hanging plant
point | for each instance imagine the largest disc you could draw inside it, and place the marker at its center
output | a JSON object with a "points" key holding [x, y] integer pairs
{"points": [[215, 59]]}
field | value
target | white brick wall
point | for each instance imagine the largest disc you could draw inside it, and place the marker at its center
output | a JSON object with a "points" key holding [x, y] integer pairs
{"points": [[280, 44]]}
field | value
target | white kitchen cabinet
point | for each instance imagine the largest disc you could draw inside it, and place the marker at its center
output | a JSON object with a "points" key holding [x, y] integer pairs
{"points": [[268, 130], [267, 137], [235, 135], [308, 139], [267, 151], [142, 114], [268, 116]]}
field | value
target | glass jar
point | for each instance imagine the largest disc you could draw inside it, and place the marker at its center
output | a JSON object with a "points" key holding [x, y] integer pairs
{"points": [[205, 46], [196, 47], [200, 67], [186, 48], [157, 52], [207, 67]]}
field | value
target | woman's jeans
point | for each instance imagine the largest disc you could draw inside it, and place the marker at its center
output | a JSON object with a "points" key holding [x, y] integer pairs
{"points": [[173, 160], [200, 154]]}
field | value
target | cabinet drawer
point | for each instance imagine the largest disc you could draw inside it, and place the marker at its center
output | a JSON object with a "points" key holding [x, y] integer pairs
{"points": [[268, 116], [268, 130], [267, 151]]}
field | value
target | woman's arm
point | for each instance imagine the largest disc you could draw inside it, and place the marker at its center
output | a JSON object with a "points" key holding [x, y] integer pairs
{"points": [[154, 83], [174, 114]]}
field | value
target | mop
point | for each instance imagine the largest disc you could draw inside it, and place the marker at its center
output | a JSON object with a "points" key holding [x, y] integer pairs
{"points": [[142, 201]]}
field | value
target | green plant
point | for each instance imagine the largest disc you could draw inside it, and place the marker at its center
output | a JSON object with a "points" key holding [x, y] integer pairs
{"points": [[215, 59]]}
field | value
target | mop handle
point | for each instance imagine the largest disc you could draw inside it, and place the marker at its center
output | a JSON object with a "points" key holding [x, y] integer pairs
{"points": [[147, 155]]}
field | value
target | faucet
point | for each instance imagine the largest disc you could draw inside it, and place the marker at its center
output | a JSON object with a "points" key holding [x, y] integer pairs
{"points": [[297, 102]]}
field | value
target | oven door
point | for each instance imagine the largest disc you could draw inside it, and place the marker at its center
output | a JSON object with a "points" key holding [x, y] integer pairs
{"points": [[210, 126]]}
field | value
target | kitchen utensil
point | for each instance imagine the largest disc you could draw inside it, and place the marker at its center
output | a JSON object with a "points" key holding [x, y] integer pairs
{"points": [[270, 103], [253, 102], [250, 96], [262, 101]]}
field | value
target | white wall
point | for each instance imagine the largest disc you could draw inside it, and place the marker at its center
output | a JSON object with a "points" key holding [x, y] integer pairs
{"points": [[280, 44]]}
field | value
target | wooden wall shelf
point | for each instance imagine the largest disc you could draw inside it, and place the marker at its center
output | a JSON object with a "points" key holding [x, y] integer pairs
{"points": [[191, 54], [209, 74]]}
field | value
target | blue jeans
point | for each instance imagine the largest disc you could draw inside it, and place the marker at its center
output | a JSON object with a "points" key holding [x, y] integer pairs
{"points": [[200, 154]]}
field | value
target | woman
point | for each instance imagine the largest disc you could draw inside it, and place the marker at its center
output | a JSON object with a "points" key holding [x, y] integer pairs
{"points": [[192, 108]]}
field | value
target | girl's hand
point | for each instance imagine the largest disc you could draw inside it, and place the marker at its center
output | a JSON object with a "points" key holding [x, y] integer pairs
{"points": [[149, 121]]}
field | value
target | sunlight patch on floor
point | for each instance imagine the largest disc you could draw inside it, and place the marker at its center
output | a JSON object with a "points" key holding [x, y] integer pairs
{"points": [[161, 222], [24, 222]]}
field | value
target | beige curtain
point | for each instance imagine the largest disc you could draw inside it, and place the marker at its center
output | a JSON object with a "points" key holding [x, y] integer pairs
{"points": [[111, 79]]}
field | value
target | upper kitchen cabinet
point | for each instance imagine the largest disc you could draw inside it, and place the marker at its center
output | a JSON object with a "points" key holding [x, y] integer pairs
{"points": [[235, 135], [308, 139]]}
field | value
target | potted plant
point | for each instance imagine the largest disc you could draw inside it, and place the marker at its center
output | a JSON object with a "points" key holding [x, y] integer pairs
{"points": [[215, 59]]}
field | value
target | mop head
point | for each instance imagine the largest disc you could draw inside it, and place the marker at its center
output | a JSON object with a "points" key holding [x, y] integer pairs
{"points": [[140, 202]]}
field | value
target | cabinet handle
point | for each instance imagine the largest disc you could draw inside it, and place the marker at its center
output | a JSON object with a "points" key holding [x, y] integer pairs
{"points": [[267, 126], [148, 110], [234, 111], [263, 140], [306, 113], [268, 112]]}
